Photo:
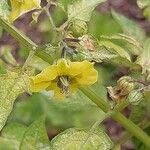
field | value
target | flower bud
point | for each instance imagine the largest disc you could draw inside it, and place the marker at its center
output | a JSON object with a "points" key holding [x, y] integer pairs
{"points": [[125, 85], [78, 28], [135, 97]]}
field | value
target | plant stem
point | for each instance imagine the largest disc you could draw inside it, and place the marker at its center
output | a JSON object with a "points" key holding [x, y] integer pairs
{"points": [[132, 128], [50, 17], [126, 136], [126, 123], [25, 41], [54, 28], [96, 99]]}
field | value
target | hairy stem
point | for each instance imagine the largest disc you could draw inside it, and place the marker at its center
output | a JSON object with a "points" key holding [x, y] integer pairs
{"points": [[25, 41], [54, 28], [126, 123], [126, 136]]}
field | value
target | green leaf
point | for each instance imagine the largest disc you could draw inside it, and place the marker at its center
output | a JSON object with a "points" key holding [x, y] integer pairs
{"points": [[127, 42], [73, 139], [4, 9], [103, 54], [107, 50], [119, 50], [129, 27], [102, 24], [3, 67], [107, 54], [11, 85], [145, 4], [6, 53], [82, 9], [11, 136], [35, 137], [121, 61], [144, 58], [64, 114]]}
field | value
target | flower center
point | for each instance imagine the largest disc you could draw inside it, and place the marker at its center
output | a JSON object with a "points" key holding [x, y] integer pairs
{"points": [[63, 84]]}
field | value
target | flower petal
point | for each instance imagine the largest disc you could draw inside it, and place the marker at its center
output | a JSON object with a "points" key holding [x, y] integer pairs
{"points": [[20, 7], [63, 66], [88, 76], [57, 93], [48, 74], [75, 68], [39, 86]]}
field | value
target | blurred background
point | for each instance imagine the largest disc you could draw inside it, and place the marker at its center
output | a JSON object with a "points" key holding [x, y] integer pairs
{"points": [[77, 111]]}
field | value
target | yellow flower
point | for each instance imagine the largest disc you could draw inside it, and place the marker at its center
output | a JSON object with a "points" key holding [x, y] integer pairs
{"points": [[64, 77], [20, 7]]}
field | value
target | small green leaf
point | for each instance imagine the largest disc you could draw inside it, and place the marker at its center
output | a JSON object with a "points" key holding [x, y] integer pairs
{"points": [[11, 85], [82, 9], [6, 53], [145, 4], [4, 9], [73, 139], [35, 137]]}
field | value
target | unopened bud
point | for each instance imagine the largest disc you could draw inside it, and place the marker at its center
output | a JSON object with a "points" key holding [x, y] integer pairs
{"points": [[79, 28], [135, 97]]}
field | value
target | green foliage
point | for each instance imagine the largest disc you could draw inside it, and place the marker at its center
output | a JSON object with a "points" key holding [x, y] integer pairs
{"points": [[11, 136], [35, 136], [129, 27], [115, 48], [79, 13], [144, 58], [16, 136], [11, 85], [138, 112], [68, 113], [6, 52], [4, 9], [102, 24], [78, 28], [145, 5], [73, 139], [82, 10]]}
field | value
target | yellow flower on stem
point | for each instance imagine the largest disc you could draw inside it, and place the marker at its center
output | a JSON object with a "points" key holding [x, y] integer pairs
{"points": [[65, 77], [19, 7]]}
